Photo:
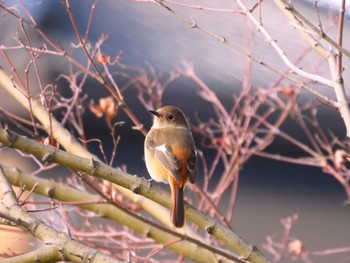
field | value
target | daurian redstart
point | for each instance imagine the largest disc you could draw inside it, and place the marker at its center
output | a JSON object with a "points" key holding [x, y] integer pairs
{"points": [[171, 156]]}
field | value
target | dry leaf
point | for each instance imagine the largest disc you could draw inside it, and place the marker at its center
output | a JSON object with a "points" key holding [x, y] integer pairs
{"points": [[103, 59], [296, 247], [340, 157], [288, 92], [107, 107]]}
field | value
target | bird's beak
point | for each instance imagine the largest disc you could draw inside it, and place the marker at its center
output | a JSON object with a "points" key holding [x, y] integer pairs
{"points": [[155, 113]]}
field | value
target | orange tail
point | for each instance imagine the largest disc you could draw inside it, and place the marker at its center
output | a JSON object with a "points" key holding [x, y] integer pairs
{"points": [[177, 214]]}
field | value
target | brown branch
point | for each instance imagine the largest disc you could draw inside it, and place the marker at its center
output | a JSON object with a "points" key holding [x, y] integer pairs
{"points": [[340, 38], [115, 93], [97, 76]]}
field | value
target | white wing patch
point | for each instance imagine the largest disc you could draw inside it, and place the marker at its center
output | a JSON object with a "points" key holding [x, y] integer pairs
{"points": [[162, 148], [165, 156]]}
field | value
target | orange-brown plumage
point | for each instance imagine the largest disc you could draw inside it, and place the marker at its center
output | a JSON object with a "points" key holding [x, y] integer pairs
{"points": [[171, 157]]}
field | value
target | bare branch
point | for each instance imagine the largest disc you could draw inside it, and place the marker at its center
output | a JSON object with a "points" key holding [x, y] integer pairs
{"points": [[69, 248], [135, 184]]}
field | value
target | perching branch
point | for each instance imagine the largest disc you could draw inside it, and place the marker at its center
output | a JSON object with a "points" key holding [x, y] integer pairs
{"points": [[135, 184], [194, 249]]}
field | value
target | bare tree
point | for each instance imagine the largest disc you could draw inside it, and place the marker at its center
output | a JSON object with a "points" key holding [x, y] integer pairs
{"points": [[100, 213]]}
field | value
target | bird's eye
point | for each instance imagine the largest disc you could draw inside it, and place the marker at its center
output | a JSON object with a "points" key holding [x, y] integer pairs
{"points": [[171, 117]]}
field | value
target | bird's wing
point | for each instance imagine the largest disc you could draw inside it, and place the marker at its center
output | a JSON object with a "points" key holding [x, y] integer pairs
{"points": [[192, 166], [164, 155]]}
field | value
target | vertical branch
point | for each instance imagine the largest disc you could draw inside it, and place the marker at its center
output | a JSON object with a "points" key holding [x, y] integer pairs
{"points": [[340, 38], [92, 10], [342, 104]]}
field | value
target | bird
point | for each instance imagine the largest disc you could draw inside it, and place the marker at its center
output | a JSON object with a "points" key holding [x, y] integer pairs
{"points": [[171, 156]]}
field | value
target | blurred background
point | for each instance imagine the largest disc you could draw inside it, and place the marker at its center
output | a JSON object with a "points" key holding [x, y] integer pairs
{"points": [[144, 33]]}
